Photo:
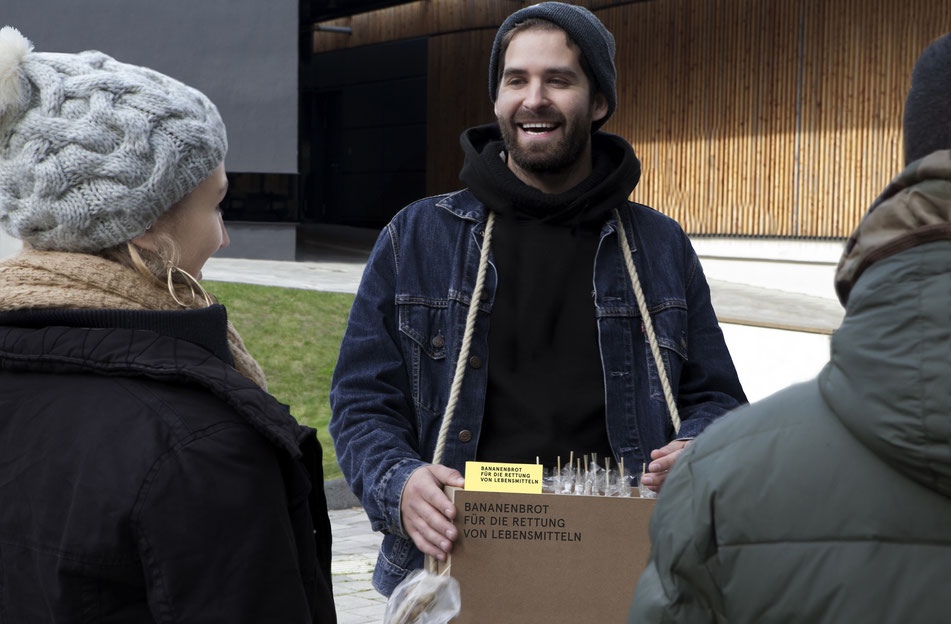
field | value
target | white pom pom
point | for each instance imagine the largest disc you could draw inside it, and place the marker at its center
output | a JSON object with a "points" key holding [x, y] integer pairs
{"points": [[13, 47]]}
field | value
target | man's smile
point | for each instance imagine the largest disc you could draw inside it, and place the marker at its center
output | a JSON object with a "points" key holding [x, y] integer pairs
{"points": [[538, 129]]}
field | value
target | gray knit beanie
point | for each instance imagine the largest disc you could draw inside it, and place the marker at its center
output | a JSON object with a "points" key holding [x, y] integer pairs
{"points": [[927, 121], [92, 150], [585, 29]]}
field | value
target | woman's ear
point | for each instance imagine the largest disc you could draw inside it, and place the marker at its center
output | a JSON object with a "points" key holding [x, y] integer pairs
{"points": [[146, 240]]}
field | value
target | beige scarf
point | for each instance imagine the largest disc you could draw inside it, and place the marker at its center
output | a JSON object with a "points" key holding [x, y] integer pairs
{"points": [[52, 279]]}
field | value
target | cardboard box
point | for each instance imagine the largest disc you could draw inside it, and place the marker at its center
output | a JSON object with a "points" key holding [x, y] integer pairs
{"points": [[546, 558]]}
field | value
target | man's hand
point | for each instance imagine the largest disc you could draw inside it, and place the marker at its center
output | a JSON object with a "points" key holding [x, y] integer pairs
{"points": [[427, 512], [662, 460]]}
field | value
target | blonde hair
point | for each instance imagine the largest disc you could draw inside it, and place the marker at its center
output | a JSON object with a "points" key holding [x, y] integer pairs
{"points": [[161, 268]]}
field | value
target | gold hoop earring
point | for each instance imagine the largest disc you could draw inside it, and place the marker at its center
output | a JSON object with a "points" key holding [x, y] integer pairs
{"points": [[190, 281]]}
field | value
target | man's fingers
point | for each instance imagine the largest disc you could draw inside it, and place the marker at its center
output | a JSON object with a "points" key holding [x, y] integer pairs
{"points": [[433, 534], [440, 476], [426, 493], [435, 519], [437, 499], [670, 447], [427, 511], [447, 475], [666, 462], [664, 459], [430, 530], [426, 546], [655, 480]]}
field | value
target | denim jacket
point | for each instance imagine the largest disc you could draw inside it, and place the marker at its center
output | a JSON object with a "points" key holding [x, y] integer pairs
{"points": [[396, 363]]}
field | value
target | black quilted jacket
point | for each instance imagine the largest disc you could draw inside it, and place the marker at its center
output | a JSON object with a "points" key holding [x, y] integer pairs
{"points": [[143, 479]]}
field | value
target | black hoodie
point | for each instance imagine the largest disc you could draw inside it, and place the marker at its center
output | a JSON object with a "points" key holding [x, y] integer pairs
{"points": [[545, 394]]}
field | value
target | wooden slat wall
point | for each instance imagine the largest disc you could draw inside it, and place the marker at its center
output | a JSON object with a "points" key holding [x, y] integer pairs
{"points": [[709, 103], [458, 97], [858, 59], [751, 117], [709, 99]]}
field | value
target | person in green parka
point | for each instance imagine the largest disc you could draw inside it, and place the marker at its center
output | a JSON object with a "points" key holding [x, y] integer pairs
{"points": [[830, 501]]}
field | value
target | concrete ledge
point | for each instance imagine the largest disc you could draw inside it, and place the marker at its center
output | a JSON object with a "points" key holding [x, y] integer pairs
{"points": [[339, 495], [794, 266], [254, 240], [774, 249], [741, 304]]}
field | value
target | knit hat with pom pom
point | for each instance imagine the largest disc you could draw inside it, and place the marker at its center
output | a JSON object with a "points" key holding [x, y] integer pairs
{"points": [[92, 150]]}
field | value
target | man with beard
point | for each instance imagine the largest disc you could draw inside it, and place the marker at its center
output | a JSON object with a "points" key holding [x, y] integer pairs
{"points": [[524, 334]]}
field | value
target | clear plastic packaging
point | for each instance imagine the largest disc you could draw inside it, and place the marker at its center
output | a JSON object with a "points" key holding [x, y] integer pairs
{"points": [[423, 598], [592, 479], [643, 490]]}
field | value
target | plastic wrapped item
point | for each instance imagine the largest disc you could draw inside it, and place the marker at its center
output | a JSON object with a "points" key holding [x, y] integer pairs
{"points": [[591, 479], [567, 481], [643, 490], [423, 598]]}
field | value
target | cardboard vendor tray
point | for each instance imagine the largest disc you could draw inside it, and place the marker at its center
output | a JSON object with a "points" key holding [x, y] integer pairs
{"points": [[546, 558]]}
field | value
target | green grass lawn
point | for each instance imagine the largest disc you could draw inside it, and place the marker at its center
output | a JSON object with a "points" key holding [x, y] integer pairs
{"points": [[295, 336]]}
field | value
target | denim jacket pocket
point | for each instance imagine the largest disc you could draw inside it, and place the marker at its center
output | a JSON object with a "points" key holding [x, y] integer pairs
{"points": [[424, 328], [670, 326]]}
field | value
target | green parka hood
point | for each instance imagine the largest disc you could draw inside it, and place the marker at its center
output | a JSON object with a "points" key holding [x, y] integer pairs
{"points": [[891, 354], [915, 208]]}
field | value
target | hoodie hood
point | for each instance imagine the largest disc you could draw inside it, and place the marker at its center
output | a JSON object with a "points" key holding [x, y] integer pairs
{"points": [[614, 174], [887, 379]]}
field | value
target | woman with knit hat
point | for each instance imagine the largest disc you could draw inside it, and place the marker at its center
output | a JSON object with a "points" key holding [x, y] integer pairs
{"points": [[145, 473]]}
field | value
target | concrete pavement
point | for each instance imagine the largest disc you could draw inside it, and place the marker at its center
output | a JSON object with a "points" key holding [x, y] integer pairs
{"points": [[354, 556]]}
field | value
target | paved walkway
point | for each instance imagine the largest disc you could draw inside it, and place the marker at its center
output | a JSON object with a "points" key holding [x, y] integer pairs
{"points": [[354, 555]]}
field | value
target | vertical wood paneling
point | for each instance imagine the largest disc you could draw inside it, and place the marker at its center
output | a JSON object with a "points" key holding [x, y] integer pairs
{"points": [[858, 58], [751, 117], [718, 146], [708, 96], [458, 97]]}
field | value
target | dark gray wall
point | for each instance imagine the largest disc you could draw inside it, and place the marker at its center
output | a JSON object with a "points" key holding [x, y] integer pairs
{"points": [[241, 53], [366, 145]]}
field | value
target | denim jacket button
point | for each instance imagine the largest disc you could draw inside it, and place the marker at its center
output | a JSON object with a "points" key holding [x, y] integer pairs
{"points": [[484, 295], [475, 361], [438, 341], [465, 435]]}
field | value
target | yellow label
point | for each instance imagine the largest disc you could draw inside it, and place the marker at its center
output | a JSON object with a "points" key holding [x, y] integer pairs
{"points": [[495, 477]]}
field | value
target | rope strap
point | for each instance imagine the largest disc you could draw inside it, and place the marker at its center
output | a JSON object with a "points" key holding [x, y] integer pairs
{"points": [[431, 563], [648, 324]]}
